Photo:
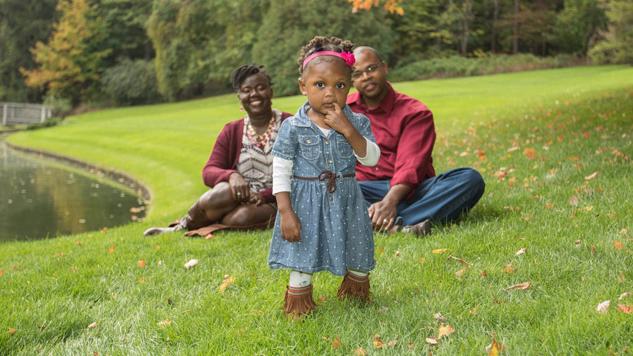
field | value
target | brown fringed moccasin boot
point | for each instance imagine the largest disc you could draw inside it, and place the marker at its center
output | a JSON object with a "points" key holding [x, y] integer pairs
{"points": [[299, 301], [355, 287]]}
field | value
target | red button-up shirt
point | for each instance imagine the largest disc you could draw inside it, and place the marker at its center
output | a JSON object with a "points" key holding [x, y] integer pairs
{"points": [[405, 133]]}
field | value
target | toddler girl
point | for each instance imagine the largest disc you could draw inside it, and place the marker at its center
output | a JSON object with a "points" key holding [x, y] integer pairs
{"points": [[322, 222]]}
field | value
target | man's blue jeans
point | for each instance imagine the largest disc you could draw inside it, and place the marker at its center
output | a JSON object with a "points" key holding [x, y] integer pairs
{"points": [[441, 198]]}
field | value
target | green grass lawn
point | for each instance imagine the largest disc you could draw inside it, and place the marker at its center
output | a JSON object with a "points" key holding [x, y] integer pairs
{"points": [[555, 150]]}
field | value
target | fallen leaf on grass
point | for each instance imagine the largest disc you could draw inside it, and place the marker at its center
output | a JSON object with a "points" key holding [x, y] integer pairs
{"points": [[439, 251], [392, 343], [1, 272], [591, 176], [626, 309], [164, 323], [92, 325], [378, 342], [573, 200], [397, 254], [624, 295], [521, 251], [360, 352], [481, 154], [495, 348], [445, 330], [529, 153], [483, 274], [603, 307], [431, 341], [501, 174], [618, 245], [336, 343], [460, 260], [227, 282], [578, 242], [191, 263], [322, 299], [439, 317], [512, 149], [12, 331], [141, 263], [461, 272], [111, 249], [519, 286], [508, 268]]}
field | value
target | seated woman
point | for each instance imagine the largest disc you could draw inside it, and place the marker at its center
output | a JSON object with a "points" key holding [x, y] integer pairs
{"points": [[239, 170]]}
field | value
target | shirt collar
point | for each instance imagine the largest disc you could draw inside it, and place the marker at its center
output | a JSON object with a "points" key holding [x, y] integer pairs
{"points": [[301, 117], [386, 104]]}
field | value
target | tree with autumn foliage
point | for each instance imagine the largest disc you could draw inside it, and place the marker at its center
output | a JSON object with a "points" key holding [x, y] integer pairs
{"points": [[70, 63], [392, 6]]}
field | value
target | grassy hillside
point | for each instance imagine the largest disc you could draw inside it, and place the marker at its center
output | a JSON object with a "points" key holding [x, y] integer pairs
{"points": [[555, 149]]}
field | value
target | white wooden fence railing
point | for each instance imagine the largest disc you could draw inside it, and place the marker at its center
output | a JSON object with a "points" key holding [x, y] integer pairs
{"points": [[20, 113]]}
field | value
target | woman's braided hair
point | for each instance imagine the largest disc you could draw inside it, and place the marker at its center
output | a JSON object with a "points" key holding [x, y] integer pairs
{"points": [[322, 43], [242, 72]]}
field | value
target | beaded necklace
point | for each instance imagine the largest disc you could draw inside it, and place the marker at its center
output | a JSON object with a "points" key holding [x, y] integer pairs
{"points": [[260, 140]]}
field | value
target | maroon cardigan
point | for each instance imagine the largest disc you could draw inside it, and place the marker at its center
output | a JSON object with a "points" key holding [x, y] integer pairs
{"points": [[226, 154]]}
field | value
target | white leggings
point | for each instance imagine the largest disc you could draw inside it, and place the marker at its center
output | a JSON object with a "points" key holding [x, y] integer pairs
{"points": [[300, 279]]}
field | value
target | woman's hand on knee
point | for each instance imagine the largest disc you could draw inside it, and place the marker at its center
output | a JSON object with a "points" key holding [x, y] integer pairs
{"points": [[290, 227], [239, 188]]}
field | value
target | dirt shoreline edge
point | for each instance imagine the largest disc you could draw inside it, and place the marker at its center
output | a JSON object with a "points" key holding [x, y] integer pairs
{"points": [[113, 175]]}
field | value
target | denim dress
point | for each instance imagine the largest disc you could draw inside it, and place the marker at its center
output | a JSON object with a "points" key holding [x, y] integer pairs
{"points": [[336, 232]]}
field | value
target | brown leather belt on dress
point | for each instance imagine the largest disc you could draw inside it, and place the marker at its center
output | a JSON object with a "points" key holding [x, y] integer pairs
{"points": [[330, 177]]}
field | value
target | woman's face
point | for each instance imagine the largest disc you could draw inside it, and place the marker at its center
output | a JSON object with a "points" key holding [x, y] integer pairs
{"points": [[256, 95]]}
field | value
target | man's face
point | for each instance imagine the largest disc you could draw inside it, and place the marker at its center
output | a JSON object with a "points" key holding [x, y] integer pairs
{"points": [[369, 76]]}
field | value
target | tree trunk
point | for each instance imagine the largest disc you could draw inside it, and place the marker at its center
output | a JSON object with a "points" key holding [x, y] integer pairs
{"points": [[466, 18], [493, 31], [515, 28]]}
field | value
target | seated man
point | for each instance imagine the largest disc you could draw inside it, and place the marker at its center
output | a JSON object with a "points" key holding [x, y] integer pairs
{"points": [[403, 190]]}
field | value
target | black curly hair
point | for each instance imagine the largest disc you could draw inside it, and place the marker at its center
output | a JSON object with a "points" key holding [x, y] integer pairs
{"points": [[244, 71], [322, 43]]}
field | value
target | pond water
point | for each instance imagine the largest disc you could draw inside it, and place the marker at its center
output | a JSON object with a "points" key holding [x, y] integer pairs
{"points": [[41, 199]]}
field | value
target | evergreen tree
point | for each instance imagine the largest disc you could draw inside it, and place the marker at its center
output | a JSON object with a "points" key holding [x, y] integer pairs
{"points": [[289, 24], [199, 43], [70, 63], [618, 45], [22, 24]]}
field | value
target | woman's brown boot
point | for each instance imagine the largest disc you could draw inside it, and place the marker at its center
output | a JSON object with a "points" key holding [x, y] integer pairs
{"points": [[299, 301], [354, 287]]}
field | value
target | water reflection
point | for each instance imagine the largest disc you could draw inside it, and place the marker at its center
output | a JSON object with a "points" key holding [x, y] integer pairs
{"points": [[39, 199]]}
